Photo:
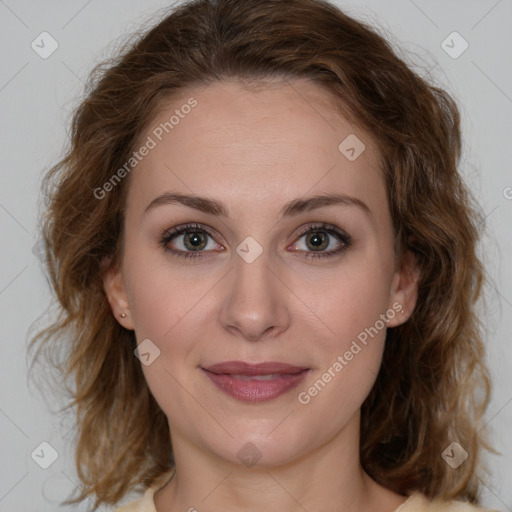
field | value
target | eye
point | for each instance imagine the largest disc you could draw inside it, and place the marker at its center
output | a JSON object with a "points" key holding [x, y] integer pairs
{"points": [[322, 241], [184, 241], [195, 241]]}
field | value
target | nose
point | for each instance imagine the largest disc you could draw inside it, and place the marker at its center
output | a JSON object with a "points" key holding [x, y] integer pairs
{"points": [[255, 305]]}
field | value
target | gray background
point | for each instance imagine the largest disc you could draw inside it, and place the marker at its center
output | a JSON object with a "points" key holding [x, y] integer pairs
{"points": [[36, 98]]}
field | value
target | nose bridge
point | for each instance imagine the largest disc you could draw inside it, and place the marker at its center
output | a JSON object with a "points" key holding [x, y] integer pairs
{"points": [[255, 303]]}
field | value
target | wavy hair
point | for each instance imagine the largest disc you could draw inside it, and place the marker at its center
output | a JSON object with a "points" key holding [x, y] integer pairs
{"points": [[433, 386]]}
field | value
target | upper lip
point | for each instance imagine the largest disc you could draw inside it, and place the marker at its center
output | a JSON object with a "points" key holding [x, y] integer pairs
{"points": [[264, 368]]}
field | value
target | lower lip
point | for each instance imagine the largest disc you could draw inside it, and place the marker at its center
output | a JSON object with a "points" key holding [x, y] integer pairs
{"points": [[256, 390]]}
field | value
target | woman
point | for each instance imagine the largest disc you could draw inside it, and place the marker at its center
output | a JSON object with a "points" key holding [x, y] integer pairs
{"points": [[265, 258]]}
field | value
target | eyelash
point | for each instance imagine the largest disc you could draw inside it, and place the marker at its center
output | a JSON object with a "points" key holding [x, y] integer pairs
{"points": [[169, 234]]}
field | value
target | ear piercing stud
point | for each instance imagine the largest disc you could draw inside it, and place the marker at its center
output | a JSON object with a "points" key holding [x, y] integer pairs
{"points": [[123, 315]]}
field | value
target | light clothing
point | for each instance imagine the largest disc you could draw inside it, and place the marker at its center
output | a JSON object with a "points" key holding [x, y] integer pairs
{"points": [[415, 503]]}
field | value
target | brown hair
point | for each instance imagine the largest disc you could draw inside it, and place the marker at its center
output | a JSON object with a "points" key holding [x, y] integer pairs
{"points": [[425, 395]]}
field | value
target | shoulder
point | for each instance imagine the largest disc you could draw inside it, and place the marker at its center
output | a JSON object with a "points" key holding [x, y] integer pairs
{"points": [[146, 503], [134, 506], [419, 503]]}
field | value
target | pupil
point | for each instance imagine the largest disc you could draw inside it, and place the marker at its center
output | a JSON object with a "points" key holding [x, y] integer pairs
{"points": [[317, 241], [195, 241]]}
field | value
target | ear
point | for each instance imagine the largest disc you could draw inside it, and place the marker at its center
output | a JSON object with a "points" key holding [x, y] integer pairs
{"points": [[404, 290], [113, 283]]}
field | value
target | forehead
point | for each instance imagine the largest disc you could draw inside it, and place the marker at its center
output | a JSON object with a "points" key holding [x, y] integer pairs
{"points": [[282, 137]]}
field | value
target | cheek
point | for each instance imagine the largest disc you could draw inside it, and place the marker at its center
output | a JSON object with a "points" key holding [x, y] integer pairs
{"points": [[352, 306], [173, 309], [162, 295], [348, 300], [349, 355]]}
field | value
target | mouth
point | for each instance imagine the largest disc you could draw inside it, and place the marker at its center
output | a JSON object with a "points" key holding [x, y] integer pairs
{"points": [[255, 383]]}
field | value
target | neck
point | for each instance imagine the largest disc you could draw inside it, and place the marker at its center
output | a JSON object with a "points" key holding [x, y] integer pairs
{"points": [[329, 478]]}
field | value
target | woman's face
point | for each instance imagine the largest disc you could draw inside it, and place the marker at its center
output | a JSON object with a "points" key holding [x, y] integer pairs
{"points": [[288, 258]]}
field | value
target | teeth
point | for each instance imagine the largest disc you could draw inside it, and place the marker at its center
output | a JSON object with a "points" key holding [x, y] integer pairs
{"points": [[257, 377]]}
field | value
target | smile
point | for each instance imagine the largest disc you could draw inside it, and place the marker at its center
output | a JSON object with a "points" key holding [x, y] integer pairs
{"points": [[255, 383]]}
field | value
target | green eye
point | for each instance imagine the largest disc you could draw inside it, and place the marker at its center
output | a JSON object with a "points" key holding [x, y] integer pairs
{"points": [[184, 241], [314, 241]]}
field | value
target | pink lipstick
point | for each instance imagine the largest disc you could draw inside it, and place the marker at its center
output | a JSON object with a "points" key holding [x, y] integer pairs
{"points": [[260, 382]]}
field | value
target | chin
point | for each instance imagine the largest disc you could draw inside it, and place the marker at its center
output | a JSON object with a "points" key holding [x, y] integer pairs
{"points": [[261, 447]]}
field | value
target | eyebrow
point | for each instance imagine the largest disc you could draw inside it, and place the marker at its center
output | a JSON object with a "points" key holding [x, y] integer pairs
{"points": [[290, 209]]}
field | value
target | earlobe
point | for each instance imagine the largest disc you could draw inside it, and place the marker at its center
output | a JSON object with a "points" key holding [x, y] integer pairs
{"points": [[404, 290], [115, 291]]}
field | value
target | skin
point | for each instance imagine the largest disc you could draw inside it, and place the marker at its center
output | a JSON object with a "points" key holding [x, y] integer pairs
{"points": [[254, 151]]}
